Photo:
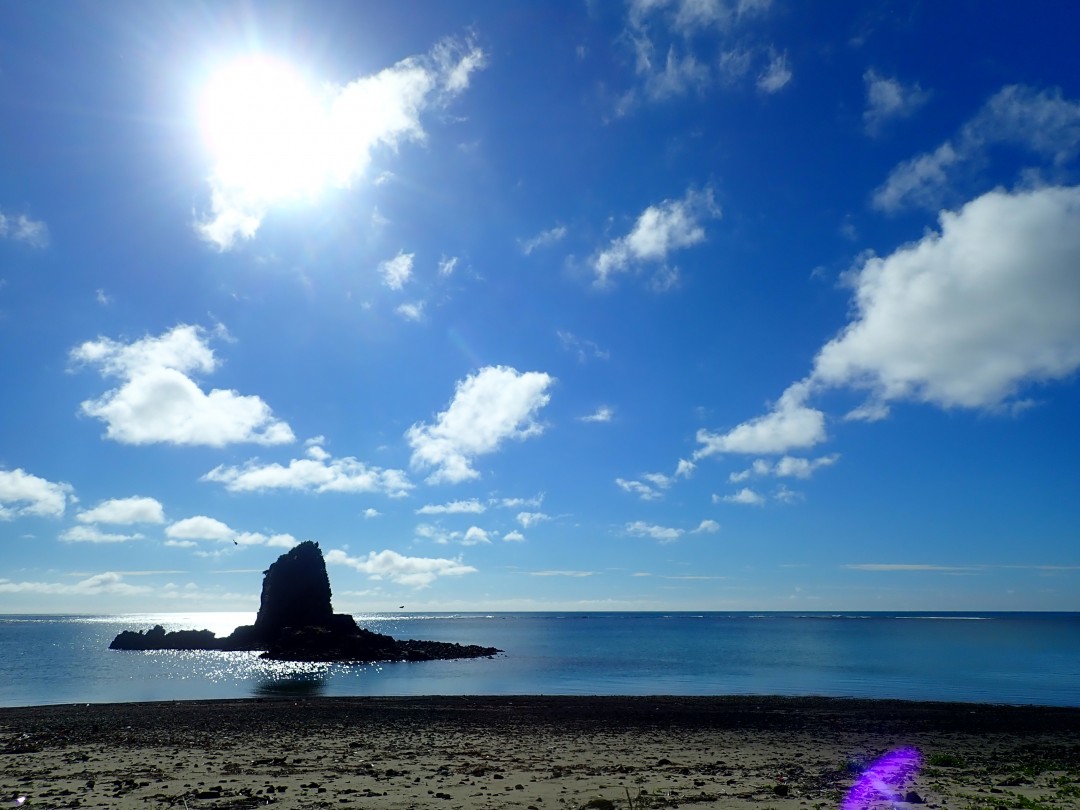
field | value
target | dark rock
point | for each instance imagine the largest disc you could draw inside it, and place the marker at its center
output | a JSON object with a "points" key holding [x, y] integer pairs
{"points": [[296, 622], [911, 797]]}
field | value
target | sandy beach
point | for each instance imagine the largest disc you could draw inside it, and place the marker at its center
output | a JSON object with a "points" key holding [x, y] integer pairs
{"points": [[533, 753]]}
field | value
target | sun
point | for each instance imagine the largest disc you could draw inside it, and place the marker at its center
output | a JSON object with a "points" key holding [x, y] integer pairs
{"points": [[266, 128]]}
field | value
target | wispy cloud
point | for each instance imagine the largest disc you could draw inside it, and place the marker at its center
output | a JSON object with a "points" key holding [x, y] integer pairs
{"points": [[417, 572], [888, 99], [471, 506], [318, 473], [397, 271], [20, 228], [602, 414], [543, 239]]}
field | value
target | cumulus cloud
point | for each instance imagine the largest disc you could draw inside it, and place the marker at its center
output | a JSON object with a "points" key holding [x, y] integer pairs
{"points": [[124, 512], [1041, 123], [745, 496], [320, 472], [474, 535], [371, 512], [543, 239], [707, 527], [601, 414], [790, 424], [969, 315], [397, 271], [21, 228], [493, 405], [418, 572], [158, 401], [183, 532], [514, 537], [888, 99], [471, 506], [664, 534], [92, 534], [346, 126], [660, 230], [26, 495]]}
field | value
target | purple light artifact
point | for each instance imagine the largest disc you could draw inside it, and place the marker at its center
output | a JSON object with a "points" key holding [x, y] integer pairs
{"points": [[881, 785]]}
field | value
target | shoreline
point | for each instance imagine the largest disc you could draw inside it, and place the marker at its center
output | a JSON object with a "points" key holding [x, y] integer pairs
{"points": [[547, 753]]}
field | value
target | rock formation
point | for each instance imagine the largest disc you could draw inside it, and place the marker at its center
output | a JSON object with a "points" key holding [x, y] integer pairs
{"points": [[296, 622]]}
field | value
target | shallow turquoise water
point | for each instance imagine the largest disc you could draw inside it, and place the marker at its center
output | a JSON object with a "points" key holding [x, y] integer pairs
{"points": [[990, 657]]}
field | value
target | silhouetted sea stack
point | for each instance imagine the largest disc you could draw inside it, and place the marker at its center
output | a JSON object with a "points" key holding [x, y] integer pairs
{"points": [[297, 623]]}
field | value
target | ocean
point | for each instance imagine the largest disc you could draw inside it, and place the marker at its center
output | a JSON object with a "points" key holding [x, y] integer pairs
{"points": [[1013, 658]]}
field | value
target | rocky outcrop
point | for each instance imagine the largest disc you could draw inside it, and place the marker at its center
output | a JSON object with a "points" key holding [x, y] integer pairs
{"points": [[296, 622]]}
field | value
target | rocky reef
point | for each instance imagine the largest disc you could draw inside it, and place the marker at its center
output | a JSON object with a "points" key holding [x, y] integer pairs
{"points": [[296, 622]]}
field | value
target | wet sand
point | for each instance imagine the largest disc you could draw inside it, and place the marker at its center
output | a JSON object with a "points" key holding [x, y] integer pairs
{"points": [[533, 753]]}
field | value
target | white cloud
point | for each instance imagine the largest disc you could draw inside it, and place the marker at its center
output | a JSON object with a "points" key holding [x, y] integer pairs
{"points": [[494, 404], [201, 527], [601, 414], [371, 512], [319, 473], [685, 468], [1042, 123], [21, 228], [334, 145], [707, 527], [659, 231], [105, 583], [418, 572], [584, 349], [474, 535], [530, 519], [786, 467], [650, 491], [411, 312], [124, 512], [92, 534], [514, 537], [888, 99], [664, 534], [680, 75], [745, 496], [517, 503], [447, 264], [776, 76], [543, 239], [968, 316], [791, 424], [26, 495], [397, 271], [472, 506], [158, 402]]}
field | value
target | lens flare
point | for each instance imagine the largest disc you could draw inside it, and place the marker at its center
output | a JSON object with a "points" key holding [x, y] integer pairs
{"points": [[882, 783]]}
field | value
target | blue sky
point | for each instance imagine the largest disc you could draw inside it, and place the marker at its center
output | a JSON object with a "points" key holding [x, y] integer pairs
{"points": [[663, 304]]}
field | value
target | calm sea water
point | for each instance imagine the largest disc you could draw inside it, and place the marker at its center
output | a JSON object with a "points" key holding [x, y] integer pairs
{"points": [[986, 657]]}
